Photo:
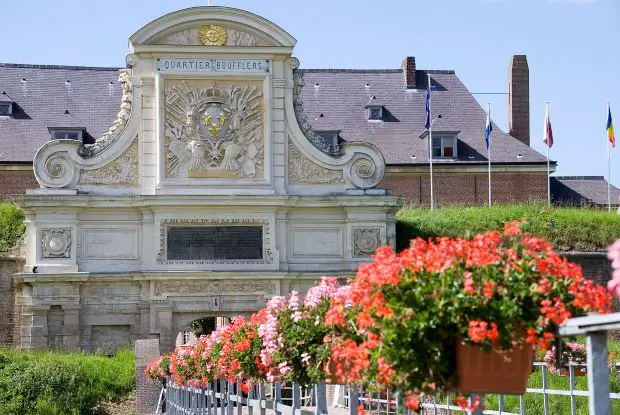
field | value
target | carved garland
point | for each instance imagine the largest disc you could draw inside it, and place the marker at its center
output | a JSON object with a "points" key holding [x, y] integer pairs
{"points": [[302, 170], [333, 150], [91, 150], [268, 254], [213, 287], [122, 171]]}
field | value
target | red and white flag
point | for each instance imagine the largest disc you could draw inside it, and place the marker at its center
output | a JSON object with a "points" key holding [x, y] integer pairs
{"points": [[548, 134]]}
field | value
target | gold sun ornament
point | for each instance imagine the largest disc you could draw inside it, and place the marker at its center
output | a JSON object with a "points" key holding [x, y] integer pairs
{"points": [[212, 35]]}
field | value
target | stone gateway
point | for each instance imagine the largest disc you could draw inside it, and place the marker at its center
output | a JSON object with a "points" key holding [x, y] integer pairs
{"points": [[205, 197]]}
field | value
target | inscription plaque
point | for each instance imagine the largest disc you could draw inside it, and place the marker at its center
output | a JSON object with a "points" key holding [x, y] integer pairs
{"points": [[188, 243]]}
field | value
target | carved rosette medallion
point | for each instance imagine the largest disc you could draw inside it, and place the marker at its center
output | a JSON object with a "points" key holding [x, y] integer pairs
{"points": [[212, 35], [122, 171], [56, 243], [214, 132], [302, 170], [366, 241], [213, 287]]}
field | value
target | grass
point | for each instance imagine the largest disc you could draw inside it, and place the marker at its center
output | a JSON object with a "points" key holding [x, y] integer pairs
{"points": [[54, 383], [11, 225], [569, 229]]}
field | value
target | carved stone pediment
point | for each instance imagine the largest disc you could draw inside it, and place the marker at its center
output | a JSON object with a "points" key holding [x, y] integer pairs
{"points": [[200, 35]]}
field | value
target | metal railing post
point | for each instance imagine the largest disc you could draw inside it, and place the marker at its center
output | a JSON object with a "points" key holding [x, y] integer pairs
{"points": [[277, 401], [321, 399], [353, 400], [598, 373]]}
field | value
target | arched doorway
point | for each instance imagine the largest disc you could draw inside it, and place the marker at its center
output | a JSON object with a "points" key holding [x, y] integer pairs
{"points": [[198, 327]]}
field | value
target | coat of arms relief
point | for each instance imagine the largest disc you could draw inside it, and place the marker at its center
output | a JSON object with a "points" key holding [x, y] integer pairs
{"points": [[214, 131]]}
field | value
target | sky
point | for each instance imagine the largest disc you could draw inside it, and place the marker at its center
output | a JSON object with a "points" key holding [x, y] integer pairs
{"points": [[572, 46]]}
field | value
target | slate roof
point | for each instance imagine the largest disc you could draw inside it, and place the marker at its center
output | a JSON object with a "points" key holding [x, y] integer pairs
{"points": [[582, 190], [42, 95], [342, 94], [92, 97]]}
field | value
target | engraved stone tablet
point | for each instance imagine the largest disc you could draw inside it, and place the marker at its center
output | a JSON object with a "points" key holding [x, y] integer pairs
{"points": [[188, 243]]}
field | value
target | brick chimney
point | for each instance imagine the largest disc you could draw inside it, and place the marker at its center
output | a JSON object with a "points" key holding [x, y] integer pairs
{"points": [[519, 99], [408, 67]]}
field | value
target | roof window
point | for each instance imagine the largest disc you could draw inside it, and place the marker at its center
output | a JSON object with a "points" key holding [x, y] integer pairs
{"points": [[375, 112], [6, 108], [67, 133]]}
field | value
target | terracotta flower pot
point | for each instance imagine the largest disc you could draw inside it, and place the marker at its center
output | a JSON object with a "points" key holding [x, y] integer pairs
{"points": [[495, 371], [564, 372], [330, 369]]}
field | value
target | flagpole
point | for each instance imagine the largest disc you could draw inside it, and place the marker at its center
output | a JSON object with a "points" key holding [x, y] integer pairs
{"points": [[548, 168], [608, 168], [430, 141], [489, 152]]}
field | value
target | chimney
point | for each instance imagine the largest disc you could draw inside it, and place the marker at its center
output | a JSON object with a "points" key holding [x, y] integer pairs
{"points": [[408, 67], [519, 99]]}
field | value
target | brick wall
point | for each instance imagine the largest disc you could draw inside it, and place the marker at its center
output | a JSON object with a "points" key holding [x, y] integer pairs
{"points": [[9, 319], [15, 182], [467, 188]]}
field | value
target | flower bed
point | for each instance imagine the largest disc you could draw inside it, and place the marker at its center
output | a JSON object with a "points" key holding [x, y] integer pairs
{"points": [[400, 321]]}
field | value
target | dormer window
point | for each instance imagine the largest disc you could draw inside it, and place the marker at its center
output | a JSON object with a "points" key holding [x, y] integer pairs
{"points": [[444, 146], [6, 108], [375, 113], [329, 136], [67, 133]]}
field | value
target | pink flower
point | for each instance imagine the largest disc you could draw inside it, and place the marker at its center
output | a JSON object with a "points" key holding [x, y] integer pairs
{"points": [[326, 288]]}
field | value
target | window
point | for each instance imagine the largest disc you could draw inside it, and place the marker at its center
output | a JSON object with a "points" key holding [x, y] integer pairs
{"points": [[6, 108], [444, 147], [375, 113], [59, 133], [185, 336]]}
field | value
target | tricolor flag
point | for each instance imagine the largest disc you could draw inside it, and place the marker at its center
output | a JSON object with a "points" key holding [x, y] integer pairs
{"points": [[489, 129], [428, 104], [548, 134], [610, 128]]}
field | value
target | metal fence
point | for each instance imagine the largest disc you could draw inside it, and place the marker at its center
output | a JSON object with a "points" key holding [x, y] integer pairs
{"points": [[226, 398]]}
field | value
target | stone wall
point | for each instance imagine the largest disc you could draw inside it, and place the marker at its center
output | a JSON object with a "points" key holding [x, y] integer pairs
{"points": [[9, 302]]}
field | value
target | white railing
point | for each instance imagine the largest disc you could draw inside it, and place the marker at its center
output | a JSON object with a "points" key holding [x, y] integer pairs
{"points": [[226, 398]]}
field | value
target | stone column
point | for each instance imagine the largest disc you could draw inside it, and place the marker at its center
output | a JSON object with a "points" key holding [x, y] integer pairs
{"points": [[71, 329], [147, 391], [34, 328]]}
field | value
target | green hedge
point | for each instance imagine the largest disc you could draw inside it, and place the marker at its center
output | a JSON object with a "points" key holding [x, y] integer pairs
{"points": [[48, 383], [11, 225], [569, 229]]}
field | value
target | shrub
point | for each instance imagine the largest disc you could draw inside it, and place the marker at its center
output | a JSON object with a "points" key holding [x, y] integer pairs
{"points": [[568, 229], [11, 225], [62, 383]]}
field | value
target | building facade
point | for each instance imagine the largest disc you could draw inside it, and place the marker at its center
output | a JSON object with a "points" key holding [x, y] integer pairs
{"points": [[205, 196], [382, 107]]}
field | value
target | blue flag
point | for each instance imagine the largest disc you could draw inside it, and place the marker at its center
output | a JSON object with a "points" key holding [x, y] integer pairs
{"points": [[487, 131], [428, 104]]}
